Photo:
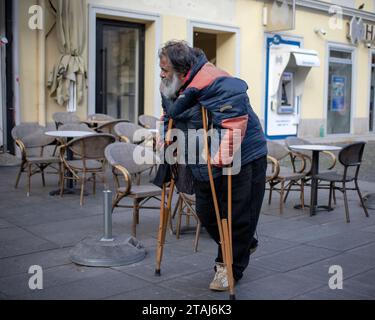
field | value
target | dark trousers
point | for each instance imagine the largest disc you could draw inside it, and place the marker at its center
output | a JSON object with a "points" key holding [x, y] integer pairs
{"points": [[248, 188]]}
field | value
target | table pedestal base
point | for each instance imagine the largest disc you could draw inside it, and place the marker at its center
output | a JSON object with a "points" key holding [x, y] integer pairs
{"points": [[317, 208], [119, 251]]}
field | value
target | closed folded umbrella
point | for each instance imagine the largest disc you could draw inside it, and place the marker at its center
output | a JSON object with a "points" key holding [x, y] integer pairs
{"points": [[68, 77]]}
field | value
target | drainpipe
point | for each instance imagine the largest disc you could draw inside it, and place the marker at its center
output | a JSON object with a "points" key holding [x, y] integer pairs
{"points": [[41, 70]]}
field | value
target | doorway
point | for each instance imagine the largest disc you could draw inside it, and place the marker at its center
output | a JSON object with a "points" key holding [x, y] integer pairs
{"points": [[120, 56], [208, 43]]}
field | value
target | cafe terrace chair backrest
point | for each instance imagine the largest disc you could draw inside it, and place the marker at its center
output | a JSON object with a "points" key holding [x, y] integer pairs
{"points": [[126, 160], [148, 122], [31, 140], [132, 133], [281, 178], [88, 160], [61, 118]]}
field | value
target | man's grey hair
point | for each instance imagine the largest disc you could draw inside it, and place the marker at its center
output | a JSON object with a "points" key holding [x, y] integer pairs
{"points": [[181, 56]]}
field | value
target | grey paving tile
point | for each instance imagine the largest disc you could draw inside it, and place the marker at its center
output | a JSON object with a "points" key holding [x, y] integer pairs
{"points": [[344, 242], [154, 292], [362, 284], [369, 229], [16, 241], [5, 224], [365, 251], [276, 287], [292, 258], [3, 296], [19, 284], [305, 234], [69, 232], [351, 265], [170, 268], [21, 264], [325, 293], [102, 286], [282, 228], [269, 245], [193, 285]]}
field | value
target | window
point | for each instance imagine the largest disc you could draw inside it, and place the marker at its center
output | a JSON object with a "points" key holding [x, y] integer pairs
{"points": [[339, 91]]}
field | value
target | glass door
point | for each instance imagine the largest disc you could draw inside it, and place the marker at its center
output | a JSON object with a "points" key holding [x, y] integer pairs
{"points": [[339, 92], [120, 69]]}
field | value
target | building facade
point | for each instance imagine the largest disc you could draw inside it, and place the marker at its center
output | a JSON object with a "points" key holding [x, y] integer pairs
{"points": [[313, 80]]}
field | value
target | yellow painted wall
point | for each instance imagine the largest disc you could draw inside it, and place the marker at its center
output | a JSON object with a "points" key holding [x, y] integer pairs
{"points": [[27, 64], [226, 52], [249, 19], [174, 28]]}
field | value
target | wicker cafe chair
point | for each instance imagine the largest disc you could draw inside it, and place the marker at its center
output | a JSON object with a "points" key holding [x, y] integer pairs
{"points": [[148, 122], [132, 133], [186, 206], [100, 117], [121, 157], [61, 118], [281, 178], [31, 140], [108, 127], [96, 119], [89, 160], [290, 141], [351, 158]]}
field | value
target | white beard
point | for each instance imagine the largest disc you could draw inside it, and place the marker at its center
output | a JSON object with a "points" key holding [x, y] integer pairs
{"points": [[169, 87]]}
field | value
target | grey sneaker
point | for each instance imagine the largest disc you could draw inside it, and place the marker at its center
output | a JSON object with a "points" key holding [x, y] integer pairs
{"points": [[220, 281]]}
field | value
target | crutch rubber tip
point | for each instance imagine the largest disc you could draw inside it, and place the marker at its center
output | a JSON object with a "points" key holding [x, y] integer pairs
{"points": [[157, 273], [232, 297]]}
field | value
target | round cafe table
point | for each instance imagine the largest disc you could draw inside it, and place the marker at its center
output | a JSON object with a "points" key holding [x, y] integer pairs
{"points": [[69, 135], [316, 149]]}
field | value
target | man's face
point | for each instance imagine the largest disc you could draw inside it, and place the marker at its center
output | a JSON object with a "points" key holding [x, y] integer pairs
{"points": [[170, 81]]}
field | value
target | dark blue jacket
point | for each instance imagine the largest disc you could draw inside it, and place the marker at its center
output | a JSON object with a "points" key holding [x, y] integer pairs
{"points": [[229, 107]]}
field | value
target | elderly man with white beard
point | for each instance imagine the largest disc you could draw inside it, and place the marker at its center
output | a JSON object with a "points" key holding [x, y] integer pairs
{"points": [[188, 83]]}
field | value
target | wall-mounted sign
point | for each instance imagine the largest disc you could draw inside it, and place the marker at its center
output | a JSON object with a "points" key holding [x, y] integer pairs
{"points": [[279, 15], [360, 31], [338, 93]]}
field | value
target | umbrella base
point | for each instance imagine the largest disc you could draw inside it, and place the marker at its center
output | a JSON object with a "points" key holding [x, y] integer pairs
{"points": [[96, 252]]}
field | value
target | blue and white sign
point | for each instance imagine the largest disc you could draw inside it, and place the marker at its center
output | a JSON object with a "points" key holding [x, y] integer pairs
{"points": [[338, 93]]}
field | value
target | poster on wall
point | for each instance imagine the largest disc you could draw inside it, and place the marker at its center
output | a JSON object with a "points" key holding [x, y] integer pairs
{"points": [[338, 93]]}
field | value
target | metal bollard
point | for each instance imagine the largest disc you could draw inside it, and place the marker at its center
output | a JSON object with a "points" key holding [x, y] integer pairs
{"points": [[107, 216]]}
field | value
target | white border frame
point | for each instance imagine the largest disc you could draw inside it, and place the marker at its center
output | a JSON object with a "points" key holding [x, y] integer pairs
{"points": [[343, 47], [218, 27], [94, 11]]}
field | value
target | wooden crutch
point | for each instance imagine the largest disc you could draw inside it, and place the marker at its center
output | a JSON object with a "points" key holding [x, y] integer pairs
{"points": [[165, 212], [224, 225]]}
